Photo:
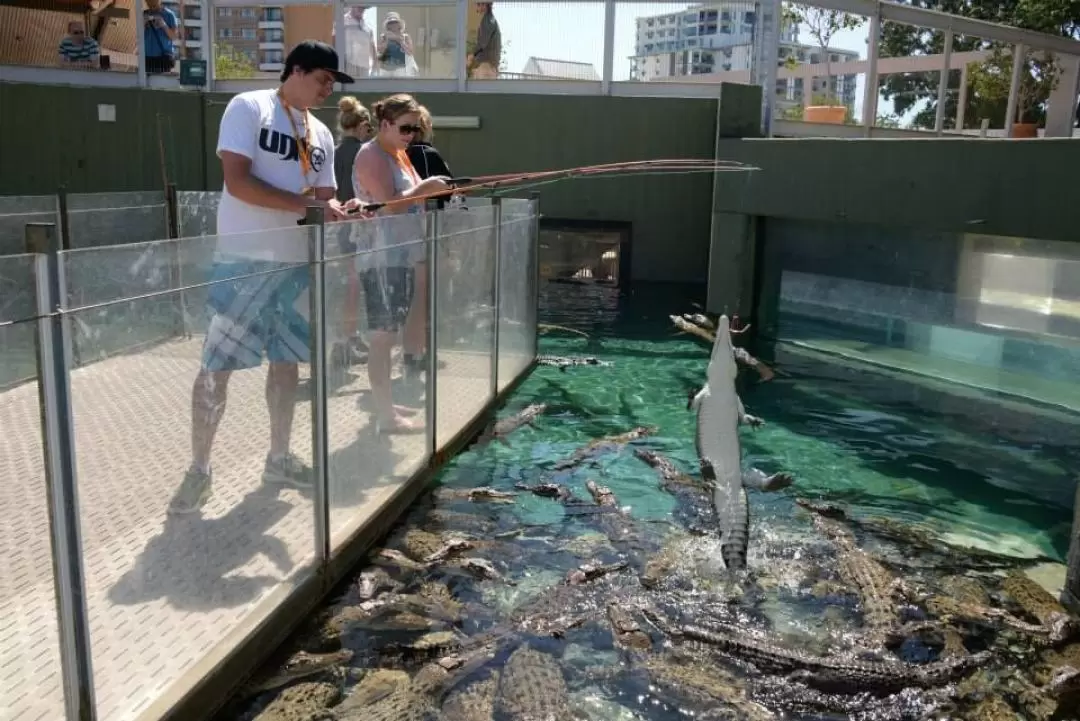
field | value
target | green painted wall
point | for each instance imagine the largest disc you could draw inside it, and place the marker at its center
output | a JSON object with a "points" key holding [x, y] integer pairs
{"points": [[1016, 188], [55, 138], [50, 136]]}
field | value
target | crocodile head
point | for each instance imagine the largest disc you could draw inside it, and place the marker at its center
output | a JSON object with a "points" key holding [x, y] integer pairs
{"points": [[1062, 627], [1066, 681], [722, 368]]}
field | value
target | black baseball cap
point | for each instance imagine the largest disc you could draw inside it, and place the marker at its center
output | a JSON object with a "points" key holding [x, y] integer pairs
{"points": [[314, 55]]}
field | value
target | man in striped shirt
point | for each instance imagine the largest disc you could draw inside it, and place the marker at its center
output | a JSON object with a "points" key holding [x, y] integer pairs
{"points": [[77, 48]]}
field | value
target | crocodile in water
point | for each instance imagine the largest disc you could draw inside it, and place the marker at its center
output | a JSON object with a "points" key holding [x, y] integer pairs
{"points": [[826, 673], [1040, 604], [308, 701], [500, 429], [875, 585], [602, 445], [300, 665], [562, 363], [532, 687]]}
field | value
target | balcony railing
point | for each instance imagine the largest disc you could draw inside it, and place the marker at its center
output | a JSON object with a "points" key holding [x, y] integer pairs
{"points": [[122, 606], [588, 47]]}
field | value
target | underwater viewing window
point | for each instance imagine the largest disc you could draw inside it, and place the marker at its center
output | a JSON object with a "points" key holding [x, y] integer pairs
{"points": [[583, 253], [997, 313]]}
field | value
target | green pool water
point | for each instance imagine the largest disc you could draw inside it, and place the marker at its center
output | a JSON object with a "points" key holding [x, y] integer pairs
{"points": [[881, 444]]}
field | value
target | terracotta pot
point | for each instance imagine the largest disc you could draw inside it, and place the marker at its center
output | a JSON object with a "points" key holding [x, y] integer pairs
{"points": [[1024, 130], [834, 114]]}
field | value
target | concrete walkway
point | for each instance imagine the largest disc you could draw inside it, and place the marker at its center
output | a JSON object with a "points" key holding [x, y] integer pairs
{"points": [[164, 593]]}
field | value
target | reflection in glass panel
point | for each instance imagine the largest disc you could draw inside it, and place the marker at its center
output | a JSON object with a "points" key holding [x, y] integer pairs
{"points": [[29, 641], [465, 330], [372, 305], [252, 42], [992, 312], [517, 272], [401, 41], [59, 39], [96, 219], [543, 41], [18, 210], [188, 521], [580, 256]]}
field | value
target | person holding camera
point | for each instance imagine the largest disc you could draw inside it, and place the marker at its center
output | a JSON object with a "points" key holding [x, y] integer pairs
{"points": [[159, 31]]}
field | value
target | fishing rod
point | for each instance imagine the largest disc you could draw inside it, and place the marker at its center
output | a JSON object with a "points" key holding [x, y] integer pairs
{"points": [[465, 185]]}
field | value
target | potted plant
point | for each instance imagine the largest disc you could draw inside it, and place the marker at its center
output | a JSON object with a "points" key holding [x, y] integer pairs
{"points": [[1038, 78], [823, 25]]}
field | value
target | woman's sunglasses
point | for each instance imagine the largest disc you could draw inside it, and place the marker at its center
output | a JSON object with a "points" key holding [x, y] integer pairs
{"points": [[409, 129]]}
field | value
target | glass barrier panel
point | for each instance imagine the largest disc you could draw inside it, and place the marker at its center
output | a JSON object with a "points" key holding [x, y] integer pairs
{"points": [[17, 303], [105, 275], [96, 219], [560, 41], [63, 36], [251, 41], [671, 42], [401, 41], [376, 411], [196, 212], [996, 313], [465, 323], [18, 210], [174, 562], [29, 639], [516, 272]]}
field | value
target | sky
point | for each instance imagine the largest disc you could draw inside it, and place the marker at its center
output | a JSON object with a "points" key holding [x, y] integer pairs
{"points": [[575, 31]]}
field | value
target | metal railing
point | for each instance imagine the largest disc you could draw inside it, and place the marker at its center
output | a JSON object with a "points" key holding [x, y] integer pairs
{"points": [[100, 493]]}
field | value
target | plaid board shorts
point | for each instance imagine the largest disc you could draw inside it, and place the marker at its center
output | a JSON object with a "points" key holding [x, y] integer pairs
{"points": [[264, 314]]}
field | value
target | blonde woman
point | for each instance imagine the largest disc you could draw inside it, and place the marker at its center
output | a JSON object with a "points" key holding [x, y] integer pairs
{"points": [[354, 129], [382, 172]]}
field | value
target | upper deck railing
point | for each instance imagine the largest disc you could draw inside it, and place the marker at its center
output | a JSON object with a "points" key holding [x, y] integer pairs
{"points": [[953, 73]]}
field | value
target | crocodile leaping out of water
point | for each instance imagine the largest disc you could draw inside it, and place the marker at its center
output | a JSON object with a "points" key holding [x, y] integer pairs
{"points": [[833, 674], [562, 363], [719, 412]]}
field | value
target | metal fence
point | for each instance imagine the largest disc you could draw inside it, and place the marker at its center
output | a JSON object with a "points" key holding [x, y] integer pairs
{"points": [[143, 597]]}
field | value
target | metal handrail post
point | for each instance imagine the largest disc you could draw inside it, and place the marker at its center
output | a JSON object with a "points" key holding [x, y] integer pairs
{"points": [[496, 203], [431, 395], [320, 450], [53, 351]]}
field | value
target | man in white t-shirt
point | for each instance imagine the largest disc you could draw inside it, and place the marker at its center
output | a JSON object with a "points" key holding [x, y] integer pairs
{"points": [[359, 43], [278, 160]]}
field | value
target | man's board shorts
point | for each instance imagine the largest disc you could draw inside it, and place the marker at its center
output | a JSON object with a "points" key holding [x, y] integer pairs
{"points": [[260, 307], [388, 292]]}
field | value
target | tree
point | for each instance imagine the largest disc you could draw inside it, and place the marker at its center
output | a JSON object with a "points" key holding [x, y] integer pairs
{"points": [[231, 64], [908, 90], [823, 25], [1038, 77]]}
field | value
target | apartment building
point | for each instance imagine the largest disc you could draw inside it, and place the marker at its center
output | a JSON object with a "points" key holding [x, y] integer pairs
{"points": [[719, 37], [261, 33]]}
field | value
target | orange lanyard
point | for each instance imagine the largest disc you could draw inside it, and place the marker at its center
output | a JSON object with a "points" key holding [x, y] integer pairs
{"points": [[303, 144], [401, 158]]}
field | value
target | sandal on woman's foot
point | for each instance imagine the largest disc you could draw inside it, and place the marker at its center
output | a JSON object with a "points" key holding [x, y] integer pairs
{"points": [[405, 411]]}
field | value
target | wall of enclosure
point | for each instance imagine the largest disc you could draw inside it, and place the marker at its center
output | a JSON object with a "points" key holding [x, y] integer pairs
{"points": [[114, 608], [168, 136], [875, 249]]}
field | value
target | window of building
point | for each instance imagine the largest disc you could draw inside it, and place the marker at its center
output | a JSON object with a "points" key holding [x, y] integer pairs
{"points": [[271, 15], [273, 56], [247, 12], [273, 35], [224, 12]]}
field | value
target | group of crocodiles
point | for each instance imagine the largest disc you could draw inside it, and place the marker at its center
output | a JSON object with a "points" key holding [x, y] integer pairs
{"points": [[906, 626]]}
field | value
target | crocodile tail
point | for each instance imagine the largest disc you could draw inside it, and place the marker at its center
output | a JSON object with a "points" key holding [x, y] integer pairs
{"points": [[736, 537]]}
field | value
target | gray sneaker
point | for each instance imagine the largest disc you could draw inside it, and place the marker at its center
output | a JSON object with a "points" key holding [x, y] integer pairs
{"points": [[193, 493], [289, 471]]}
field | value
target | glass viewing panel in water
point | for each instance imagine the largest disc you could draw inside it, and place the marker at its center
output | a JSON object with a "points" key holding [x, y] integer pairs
{"points": [[580, 256], [997, 313]]}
